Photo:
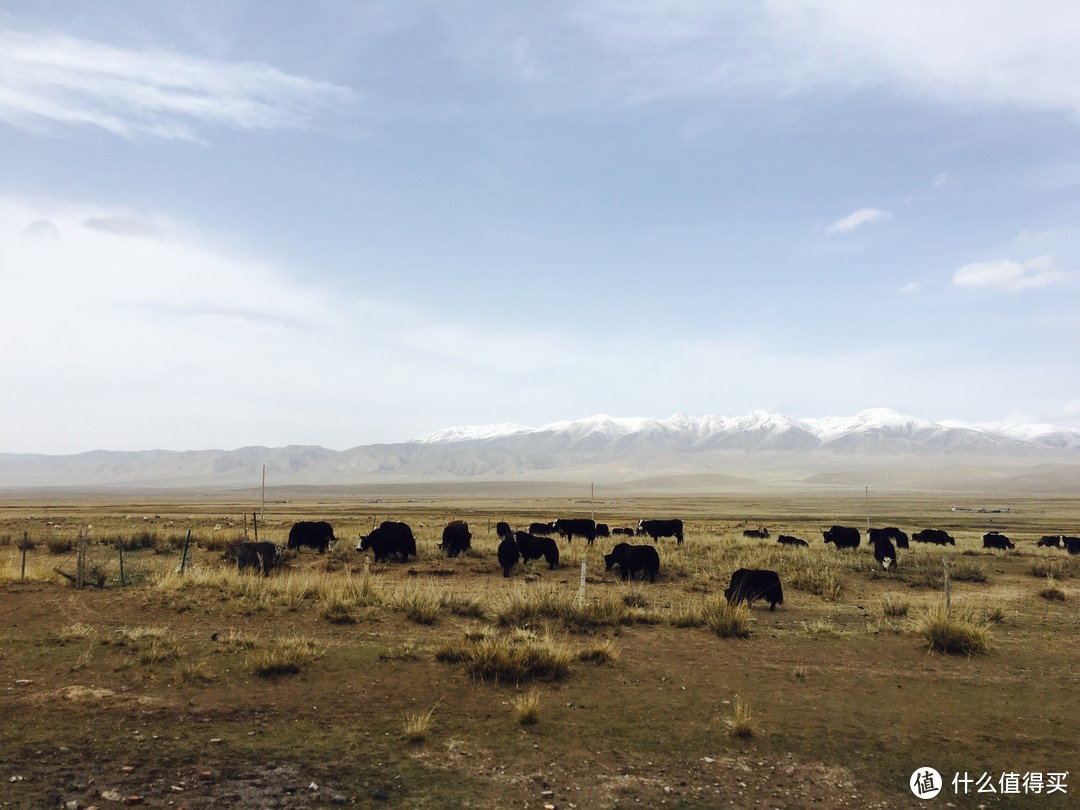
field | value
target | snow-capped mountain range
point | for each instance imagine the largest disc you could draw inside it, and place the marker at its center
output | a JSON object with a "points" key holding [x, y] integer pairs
{"points": [[753, 449], [763, 430]]}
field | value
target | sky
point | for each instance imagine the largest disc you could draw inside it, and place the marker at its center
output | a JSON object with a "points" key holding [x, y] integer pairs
{"points": [[337, 223]]}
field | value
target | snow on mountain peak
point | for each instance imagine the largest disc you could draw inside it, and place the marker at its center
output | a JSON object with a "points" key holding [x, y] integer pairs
{"points": [[877, 426]]}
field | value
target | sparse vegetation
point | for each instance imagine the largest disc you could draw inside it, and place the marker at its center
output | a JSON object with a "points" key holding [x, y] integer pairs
{"points": [[287, 656], [416, 726], [958, 631], [602, 652], [727, 620], [608, 681], [527, 707], [510, 657], [742, 723], [1052, 592]]}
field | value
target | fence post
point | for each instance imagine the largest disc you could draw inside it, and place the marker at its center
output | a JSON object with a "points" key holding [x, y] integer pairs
{"points": [[581, 586], [80, 565], [945, 566], [184, 556], [25, 543], [120, 546]]}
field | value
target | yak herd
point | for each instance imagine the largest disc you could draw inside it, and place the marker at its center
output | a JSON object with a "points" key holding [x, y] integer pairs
{"points": [[395, 539]]}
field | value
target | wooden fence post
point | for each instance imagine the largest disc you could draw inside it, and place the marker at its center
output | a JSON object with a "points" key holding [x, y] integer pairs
{"points": [[184, 556], [581, 586], [25, 543], [948, 595], [80, 565], [120, 546]]}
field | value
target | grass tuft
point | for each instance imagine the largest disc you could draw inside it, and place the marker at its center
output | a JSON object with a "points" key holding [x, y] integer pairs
{"points": [[727, 620], [512, 657], [959, 632], [415, 727], [288, 656], [742, 723], [603, 652], [527, 707], [1052, 592]]}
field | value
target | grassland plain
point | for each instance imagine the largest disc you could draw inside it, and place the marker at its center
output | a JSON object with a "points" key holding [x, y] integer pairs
{"points": [[340, 681]]}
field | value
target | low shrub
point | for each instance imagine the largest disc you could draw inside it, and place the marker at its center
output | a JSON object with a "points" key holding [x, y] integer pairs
{"points": [[287, 657], [957, 632], [415, 727], [512, 657], [742, 723], [527, 707], [727, 620]]}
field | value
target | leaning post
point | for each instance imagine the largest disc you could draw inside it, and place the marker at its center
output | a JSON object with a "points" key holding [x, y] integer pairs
{"points": [[184, 556], [25, 543], [581, 586]]}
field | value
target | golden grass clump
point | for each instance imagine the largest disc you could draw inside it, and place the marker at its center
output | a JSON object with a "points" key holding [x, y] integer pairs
{"points": [[420, 603], [602, 652], [416, 726], [727, 620], [894, 607], [73, 632], [509, 657], [817, 574], [287, 657], [527, 707], [959, 632], [742, 722]]}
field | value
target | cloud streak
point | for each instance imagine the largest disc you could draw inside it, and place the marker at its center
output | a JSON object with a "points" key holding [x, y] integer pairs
{"points": [[1006, 275], [856, 219], [54, 80]]}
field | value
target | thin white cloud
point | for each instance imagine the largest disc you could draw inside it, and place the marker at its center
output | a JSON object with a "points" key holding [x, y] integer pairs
{"points": [[912, 288], [981, 51], [57, 80], [857, 219], [1007, 275]]}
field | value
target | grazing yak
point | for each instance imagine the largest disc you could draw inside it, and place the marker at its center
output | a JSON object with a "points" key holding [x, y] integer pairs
{"points": [[788, 540], [1072, 544], [842, 536], [508, 554], [582, 527], [542, 529], [661, 528], [884, 552], [313, 534], [997, 540], [756, 534], [936, 536], [623, 530], [503, 530], [456, 538], [602, 530], [633, 560], [890, 533], [533, 548], [1050, 541], [257, 555], [753, 583], [391, 537]]}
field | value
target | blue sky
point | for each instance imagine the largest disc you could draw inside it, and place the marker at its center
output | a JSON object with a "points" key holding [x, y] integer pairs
{"points": [[334, 223]]}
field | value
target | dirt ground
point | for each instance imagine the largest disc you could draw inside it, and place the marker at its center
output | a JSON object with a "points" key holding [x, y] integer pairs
{"points": [[846, 704]]}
